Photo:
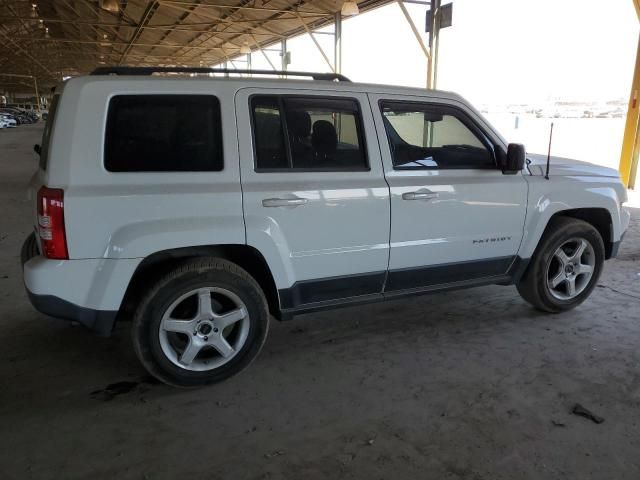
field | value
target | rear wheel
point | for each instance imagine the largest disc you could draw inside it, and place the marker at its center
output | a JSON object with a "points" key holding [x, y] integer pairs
{"points": [[202, 323], [565, 267]]}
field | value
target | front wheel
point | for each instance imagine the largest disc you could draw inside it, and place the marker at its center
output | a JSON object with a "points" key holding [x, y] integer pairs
{"points": [[202, 323], [565, 267]]}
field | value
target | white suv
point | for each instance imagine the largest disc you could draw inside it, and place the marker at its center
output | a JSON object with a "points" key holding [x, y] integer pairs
{"points": [[199, 207]]}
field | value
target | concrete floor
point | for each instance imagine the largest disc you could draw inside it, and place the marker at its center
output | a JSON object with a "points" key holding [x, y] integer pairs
{"points": [[465, 385]]}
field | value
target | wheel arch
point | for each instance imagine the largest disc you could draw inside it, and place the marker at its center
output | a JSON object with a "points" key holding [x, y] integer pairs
{"points": [[599, 218], [159, 263]]}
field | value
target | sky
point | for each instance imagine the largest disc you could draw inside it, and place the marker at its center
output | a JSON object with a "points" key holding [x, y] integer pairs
{"points": [[497, 51]]}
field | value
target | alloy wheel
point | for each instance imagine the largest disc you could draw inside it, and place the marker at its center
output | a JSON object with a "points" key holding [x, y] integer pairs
{"points": [[204, 328], [571, 268]]}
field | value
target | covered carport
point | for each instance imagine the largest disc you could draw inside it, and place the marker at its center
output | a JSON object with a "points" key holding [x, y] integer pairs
{"points": [[470, 384], [45, 42], [631, 141]]}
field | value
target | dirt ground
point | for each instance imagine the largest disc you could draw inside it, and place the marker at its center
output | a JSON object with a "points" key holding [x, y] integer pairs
{"points": [[472, 384]]}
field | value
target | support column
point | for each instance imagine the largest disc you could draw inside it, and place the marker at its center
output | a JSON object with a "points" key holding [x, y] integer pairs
{"points": [[283, 54], [35, 85], [629, 154], [434, 35], [416, 33], [337, 44]]}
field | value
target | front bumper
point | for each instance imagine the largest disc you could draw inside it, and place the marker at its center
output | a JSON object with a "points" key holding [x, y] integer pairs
{"points": [[615, 246], [625, 220]]}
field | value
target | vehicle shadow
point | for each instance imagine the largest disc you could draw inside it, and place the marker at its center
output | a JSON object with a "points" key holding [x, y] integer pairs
{"points": [[47, 360]]}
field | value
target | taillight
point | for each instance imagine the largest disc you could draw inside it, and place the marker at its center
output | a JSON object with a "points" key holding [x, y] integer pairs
{"points": [[51, 223]]}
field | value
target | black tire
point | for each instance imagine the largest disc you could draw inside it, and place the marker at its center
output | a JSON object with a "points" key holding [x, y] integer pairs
{"points": [[533, 286], [204, 272], [29, 249]]}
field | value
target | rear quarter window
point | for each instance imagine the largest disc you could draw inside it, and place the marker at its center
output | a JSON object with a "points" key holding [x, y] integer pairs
{"points": [[163, 133]]}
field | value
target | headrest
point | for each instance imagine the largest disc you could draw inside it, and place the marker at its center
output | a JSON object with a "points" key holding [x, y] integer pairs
{"points": [[299, 123], [324, 137]]}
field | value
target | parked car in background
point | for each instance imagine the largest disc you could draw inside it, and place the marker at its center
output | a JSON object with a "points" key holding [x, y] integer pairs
{"points": [[23, 116], [9, 120], [28, 110], [20, 118], [32, 115]]}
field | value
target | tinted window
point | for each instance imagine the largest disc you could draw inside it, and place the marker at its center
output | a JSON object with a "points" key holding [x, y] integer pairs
{"points": [[163, 133], [46, 133], [268, 133], [309, 133], [429, 136]]}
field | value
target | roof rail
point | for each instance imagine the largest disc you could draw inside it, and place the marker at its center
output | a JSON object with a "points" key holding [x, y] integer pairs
{"points": [[152, 70]]}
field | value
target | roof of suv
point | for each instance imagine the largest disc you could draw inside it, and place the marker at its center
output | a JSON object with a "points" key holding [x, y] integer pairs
{"points": [[257, 82], [135, 82]]}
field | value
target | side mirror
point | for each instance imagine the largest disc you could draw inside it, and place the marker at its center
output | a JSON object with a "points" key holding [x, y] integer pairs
{"points": [[37, 148], [515, 159]]}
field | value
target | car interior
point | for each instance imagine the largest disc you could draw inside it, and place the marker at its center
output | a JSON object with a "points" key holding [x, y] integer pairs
{"points": [[314, 139], [434, 154]]}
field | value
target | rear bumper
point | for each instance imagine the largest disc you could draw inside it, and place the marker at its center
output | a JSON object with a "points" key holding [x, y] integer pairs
{"points": [[99, 321], [88, 291]]}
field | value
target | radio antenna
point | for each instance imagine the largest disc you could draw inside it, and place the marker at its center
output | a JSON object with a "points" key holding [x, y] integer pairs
{"points": [[549, 152]]}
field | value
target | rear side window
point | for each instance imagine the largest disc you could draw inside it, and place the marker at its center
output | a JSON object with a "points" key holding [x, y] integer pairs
{"points": [[163, 133], [268, 134], [46, 133], [308, 133]]}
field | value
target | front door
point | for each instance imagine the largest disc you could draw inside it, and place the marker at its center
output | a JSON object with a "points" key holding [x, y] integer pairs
{"points": [[455, 217]]}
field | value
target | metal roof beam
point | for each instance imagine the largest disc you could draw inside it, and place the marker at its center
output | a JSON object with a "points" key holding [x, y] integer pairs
{"points": [[152, 7], [111, 42], [27, 54], [179, 28], [315, 41], [414, 29], [310, 13]]}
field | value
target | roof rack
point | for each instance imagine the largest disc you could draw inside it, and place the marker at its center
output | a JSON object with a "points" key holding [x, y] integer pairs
{"points": [[152, 70]]}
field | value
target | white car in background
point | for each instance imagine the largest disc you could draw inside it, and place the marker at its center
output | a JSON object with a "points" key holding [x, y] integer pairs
{"points": [[7, 122]]}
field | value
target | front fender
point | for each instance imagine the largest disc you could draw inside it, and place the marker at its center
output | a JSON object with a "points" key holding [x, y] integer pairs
{"points": [[550, 197]]}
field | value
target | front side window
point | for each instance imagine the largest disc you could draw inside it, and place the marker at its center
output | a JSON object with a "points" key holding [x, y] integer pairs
{"points": [[307, 133], [163, 133], [430, 136]]}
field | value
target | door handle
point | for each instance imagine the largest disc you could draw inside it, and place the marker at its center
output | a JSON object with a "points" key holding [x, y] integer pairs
{"points": [[283, 202], [419, 195]]}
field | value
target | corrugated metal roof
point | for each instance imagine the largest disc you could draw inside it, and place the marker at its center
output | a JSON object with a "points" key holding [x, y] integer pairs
{"points": [[71, 37]]}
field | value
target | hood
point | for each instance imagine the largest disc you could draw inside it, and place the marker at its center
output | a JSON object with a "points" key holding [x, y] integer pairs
{"points": [[567, 167]]}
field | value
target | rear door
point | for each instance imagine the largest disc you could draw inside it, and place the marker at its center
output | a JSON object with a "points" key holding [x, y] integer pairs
{"points": [[455, 216], [316, 204]]}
